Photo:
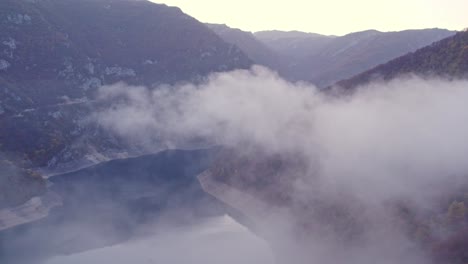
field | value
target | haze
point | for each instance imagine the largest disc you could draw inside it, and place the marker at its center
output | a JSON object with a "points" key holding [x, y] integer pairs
{"points": [[208, 242], [333, 17], [389, 142]]}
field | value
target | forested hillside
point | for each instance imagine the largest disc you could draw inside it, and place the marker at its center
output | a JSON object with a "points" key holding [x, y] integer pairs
{"points": [[446, 58], [55, 54]]}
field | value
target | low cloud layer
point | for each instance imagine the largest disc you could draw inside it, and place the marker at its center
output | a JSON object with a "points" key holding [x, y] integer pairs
{"points": [[385, 134], [404, 139]]}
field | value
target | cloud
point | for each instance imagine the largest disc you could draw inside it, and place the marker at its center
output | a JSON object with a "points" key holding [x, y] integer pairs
{"points": [[398, 140]]}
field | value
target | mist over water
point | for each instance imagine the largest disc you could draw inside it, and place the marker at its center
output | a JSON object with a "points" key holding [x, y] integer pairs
{"points": [[211, 241], [389, 142], [393, 135]]}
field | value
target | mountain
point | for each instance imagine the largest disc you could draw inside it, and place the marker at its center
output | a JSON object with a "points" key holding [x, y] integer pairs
{"points": [[445, 58], [294, 44], [55, 54], [248, 43], [276, 50], [323, 60], [356, 52]]}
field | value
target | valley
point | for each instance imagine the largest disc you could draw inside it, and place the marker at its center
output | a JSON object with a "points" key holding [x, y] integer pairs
{"points": [[132, 132]]}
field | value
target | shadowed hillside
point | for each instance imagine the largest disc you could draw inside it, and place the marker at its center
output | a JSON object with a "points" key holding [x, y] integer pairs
{"points": [[54, 54]]}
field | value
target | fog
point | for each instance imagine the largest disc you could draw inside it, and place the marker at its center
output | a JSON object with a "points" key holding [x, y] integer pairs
{"points": [[402, 140], [211, 241], [395, 135]]}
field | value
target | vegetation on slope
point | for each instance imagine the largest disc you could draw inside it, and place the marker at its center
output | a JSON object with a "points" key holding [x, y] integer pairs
{"points": [[17, 186], [446, 58], [55, 54], [323, 60]]}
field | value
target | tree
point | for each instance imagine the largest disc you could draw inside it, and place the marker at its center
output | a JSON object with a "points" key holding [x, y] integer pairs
{"points": [[457, 212]]}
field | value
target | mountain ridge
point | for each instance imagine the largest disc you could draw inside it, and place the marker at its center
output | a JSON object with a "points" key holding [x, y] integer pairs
{"points": [[324, 60], [447, 58]]}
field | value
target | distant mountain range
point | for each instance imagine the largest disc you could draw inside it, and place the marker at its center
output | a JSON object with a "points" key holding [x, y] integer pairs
{"points": [[324, 60], [294, 44], [445, 58], [258, 51]]}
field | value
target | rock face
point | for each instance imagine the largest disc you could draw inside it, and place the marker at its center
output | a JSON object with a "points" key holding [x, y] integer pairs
{"points": [[446, 58], [54, 54]]}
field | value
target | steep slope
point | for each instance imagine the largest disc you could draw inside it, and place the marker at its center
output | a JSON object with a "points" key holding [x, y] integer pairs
{"points": [[357, 52], [445, 58], [248, 43], [324, 60], [54, 54]]}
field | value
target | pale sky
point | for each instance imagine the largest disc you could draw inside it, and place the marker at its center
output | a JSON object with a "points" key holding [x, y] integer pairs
{"points": [[331, 17]]}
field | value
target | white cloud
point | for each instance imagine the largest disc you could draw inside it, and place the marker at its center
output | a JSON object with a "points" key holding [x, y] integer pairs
{"points": [[404, 139]]}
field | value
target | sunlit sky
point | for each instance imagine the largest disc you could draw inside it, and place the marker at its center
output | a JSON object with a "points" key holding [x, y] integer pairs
{"points": [[331, 17]]}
